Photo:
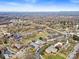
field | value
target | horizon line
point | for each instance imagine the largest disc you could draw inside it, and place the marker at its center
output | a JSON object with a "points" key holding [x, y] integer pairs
{"points": [[39, 11]]}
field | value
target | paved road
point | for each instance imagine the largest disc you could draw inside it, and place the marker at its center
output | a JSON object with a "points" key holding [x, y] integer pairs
{"points": [[37, 54], [54, 29], [72, 55]]}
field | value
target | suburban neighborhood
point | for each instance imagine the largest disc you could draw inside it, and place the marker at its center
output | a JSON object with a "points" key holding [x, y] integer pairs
{"points": [[31, 38]]}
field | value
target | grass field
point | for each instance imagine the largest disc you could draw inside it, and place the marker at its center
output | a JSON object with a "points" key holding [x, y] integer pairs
{"points": [[53, 57], [42, 34]]}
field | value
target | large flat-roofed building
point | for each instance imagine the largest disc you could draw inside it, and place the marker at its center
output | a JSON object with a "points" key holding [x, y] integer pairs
{"points": [[37, 44], [51, 49]]}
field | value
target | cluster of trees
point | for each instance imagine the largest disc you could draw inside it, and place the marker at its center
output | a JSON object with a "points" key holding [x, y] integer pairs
{"points": [[42, 50], [1, 55], [75, 37]]}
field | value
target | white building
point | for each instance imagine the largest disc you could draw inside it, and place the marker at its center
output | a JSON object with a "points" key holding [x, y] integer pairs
{"points": [[59, 44], [37, 44], [51, 49]]}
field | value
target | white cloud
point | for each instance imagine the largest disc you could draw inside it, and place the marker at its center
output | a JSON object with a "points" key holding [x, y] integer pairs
{"points": [[9, 4], [13, 3], [27, 7], [13, 6]]}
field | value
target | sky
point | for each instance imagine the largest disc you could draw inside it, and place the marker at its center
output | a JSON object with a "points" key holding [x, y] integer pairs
{"points": [[38, 5]]}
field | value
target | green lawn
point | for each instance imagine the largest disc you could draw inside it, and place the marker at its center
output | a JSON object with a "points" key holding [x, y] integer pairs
{"points": [[42, 34], [53, 57]]}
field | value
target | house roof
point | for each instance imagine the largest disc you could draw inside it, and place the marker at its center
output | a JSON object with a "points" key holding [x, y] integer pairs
{"points": [[34, 45], [39, 42], [17, 36]]}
